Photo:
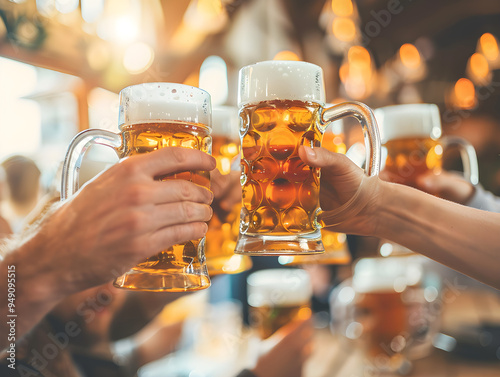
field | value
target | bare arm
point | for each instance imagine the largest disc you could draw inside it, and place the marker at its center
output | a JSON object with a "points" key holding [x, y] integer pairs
{"points": [[114, 222], [463, 238], [460, 237]]}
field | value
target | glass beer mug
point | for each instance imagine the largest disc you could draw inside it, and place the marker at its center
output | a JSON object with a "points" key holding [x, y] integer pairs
{"points": [[412, 146], [411, 139], [389, 311], [277, 297], [153, 116], [281, 108], [223, 228], [335, 244]]}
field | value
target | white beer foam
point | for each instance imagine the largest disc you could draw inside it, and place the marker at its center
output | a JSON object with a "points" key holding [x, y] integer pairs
{"points": [[412, 120], [375, 275], [226, 122], [278, 79], [279, 287], [164, 101]]}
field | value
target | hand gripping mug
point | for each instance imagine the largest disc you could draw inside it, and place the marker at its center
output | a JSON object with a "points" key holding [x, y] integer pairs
{"points": [[281, 108], [154, 116]]}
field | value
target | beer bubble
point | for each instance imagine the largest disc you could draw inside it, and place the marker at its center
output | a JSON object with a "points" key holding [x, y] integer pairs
{"points": [[251, 145], [295, 220], [280, 193], [295, 170], [264, 220], [252, 195], [264, 169]]}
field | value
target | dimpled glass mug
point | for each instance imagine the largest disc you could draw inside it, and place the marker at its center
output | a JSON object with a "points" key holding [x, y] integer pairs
{"points": [[154, 116], [281, 108]]}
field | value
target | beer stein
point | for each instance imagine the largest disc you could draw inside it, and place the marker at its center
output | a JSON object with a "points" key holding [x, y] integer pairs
{"points": [[277, 297], [154, 116], [223, 228], [335, 244], [281, 108], [389, 311], [411, 139]]}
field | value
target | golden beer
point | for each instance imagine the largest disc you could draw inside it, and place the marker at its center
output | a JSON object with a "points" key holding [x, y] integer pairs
{"points": [[409, 158], [277, 297], [280, 192], [223, 228], [266, 320], [384, 317], [281, 109], [148, 137]]}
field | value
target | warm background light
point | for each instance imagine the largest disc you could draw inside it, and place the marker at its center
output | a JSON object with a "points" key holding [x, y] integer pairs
{"points": [[213, 79], [344, 29], [342, 8], [409, 55], [465, 93], [286, 55], [478, 69], [489, 46], [138, 57]]}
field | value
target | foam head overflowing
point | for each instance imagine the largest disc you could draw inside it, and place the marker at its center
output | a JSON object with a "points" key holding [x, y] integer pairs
{"points": [[279, 287], [144, 103], [226, 122], [281, 80], [413, 120]]}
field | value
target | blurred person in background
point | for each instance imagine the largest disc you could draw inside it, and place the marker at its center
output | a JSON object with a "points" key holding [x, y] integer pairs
{"points": [[5, 228], [23, 181]]}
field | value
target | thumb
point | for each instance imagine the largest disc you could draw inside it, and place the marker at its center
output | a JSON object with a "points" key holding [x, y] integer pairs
{"points": [[322, 158]]}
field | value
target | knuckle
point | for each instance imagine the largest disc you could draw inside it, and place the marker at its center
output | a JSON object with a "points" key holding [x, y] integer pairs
{"points": [[133, 221], [135, 195], [184, 190], [130, 167], [179, 155], [187, 210]]}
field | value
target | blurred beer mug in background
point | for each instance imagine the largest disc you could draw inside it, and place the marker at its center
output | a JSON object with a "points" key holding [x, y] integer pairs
{"points": [[223, 228], [412, 144], [281, 108], [277, 297], [390, 310], [154, 116]]}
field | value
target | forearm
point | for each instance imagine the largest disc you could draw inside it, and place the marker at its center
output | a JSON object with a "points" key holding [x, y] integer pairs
{"points": [[462, 238], [28, 292]]}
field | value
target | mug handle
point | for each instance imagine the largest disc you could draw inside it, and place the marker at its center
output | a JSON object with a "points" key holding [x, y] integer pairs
{"points": [[366, 118], [468, 155], [74, 156]]}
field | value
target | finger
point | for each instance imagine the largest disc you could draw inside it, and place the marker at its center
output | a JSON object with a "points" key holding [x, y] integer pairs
{"points": [[149, 218], [173, 235], [179, 190], [323, 158], [218, 183], [168, 160]]}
